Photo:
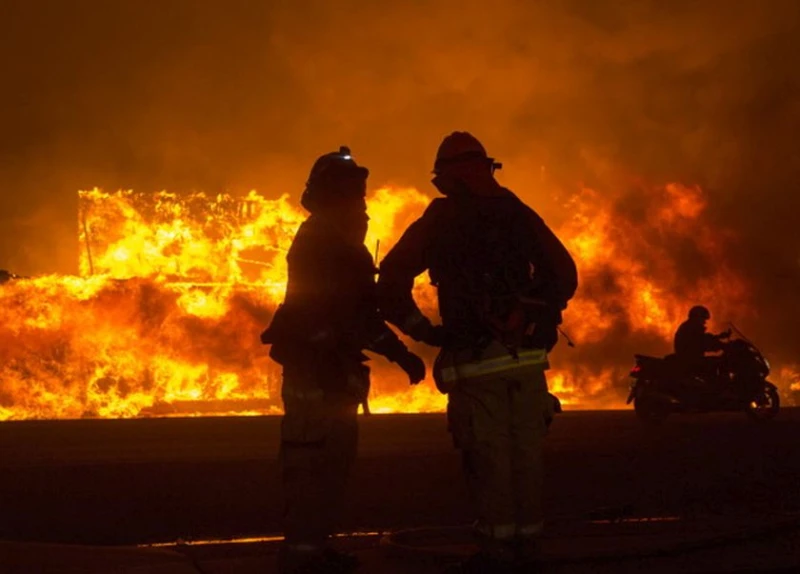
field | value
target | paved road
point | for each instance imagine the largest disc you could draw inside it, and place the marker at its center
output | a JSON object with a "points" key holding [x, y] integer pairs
{"points": [[148, 480]]}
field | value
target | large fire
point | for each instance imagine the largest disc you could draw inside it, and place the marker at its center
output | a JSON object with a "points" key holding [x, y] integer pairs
{"points": [[175, 289]]}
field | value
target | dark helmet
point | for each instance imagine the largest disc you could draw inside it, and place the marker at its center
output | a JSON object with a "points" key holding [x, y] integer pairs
{"points": [[460, 146], [335, 178], [700, 313]]}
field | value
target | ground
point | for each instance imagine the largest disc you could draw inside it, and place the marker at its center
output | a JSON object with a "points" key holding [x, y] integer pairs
{"points": [[96, 482]]}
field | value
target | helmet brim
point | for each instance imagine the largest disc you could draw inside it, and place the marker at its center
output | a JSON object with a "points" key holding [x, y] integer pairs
{"points": [[437, 167]]}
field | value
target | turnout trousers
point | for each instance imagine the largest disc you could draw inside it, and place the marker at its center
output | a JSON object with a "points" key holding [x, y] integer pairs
{"points": [[499, 424], [319, 440]]}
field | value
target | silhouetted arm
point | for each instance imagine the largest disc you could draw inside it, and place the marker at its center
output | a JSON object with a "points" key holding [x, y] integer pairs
{"points": [[375, 334], [404, 262], [556, 272]]}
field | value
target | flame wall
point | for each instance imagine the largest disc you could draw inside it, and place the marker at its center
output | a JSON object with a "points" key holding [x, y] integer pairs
{"points": [[175, 289]]}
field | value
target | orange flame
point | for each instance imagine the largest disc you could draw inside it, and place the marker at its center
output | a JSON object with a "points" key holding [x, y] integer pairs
{"points": [[174, 290], [166, 315], [607, 245]]}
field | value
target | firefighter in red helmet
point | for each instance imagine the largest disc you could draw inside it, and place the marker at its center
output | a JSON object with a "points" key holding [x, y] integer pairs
{"points": [[328, 317], [503, 279]]}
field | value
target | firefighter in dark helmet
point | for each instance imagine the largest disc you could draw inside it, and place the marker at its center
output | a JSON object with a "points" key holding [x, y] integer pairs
{"points": [[328, 317], [693, 341], [503, 278]]}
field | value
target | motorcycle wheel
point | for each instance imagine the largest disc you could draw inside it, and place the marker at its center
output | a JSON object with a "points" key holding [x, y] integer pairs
{"points": [[765, 406], [648, 410]]}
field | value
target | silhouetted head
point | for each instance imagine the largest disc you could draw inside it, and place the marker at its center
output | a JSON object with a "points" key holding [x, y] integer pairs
{"points": [[336, 183], [463, 166], [699, 314]]}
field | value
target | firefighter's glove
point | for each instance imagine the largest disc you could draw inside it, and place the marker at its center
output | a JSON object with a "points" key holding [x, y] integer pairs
{"points": [[726, 334], [412, 365]]}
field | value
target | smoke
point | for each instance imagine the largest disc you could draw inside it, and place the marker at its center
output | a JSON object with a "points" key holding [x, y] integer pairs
{"points": [[211, 95]]}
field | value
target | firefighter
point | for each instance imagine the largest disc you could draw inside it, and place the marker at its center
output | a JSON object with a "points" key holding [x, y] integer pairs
{"points": [[503, 279], [328, 317]]}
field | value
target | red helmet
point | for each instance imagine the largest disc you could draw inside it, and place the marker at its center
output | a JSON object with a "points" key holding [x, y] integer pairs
{"points": [[460, 146]]}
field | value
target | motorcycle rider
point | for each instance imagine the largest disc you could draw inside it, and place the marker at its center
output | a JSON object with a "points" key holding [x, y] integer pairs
{"points": [[329, 315], [693, 341], [503, 278]]}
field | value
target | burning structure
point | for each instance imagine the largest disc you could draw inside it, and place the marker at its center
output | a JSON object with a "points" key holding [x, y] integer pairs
{"points": [[174, 290]]}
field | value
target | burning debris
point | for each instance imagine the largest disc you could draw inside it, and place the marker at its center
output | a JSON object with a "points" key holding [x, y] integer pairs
{"points": [[165, 317], [175, 289]]}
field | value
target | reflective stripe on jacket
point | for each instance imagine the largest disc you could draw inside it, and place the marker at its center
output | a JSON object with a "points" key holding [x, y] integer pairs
{"points": [[452, 367]]}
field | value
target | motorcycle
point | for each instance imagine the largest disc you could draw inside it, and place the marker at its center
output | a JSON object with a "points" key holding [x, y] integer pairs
{"points": [[661, 386]]}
